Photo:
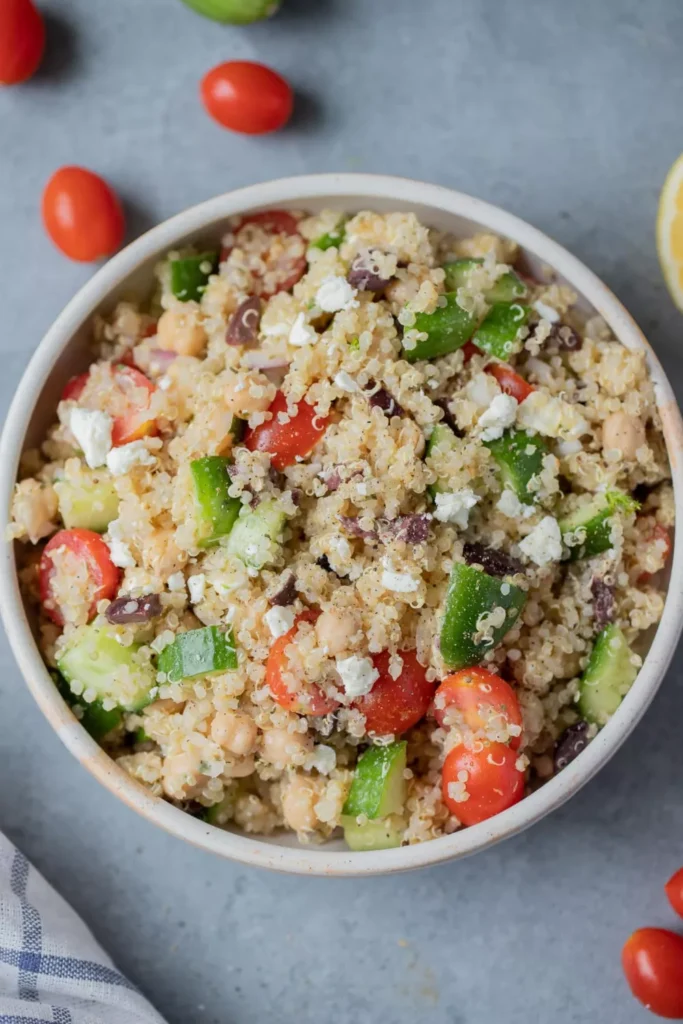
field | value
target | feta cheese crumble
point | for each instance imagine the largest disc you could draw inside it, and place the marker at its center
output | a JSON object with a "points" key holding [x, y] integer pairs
{"points": [[176, 582], [92, 430], [399, 582], [334, 294], [197, 585], [454, 506], [346, 382], [358, 675], [323, 758], [302, 333], [510, 505], [121, 460], [548, 313], [120, 553], [500, 415], [544, 543], [551, 416], [279, 620]]}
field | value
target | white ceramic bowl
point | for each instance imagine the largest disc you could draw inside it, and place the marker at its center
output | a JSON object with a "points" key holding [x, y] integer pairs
{"points": [[63, 352]]}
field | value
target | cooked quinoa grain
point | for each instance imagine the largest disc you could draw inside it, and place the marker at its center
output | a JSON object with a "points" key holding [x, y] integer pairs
{"points": [[352, 527]]}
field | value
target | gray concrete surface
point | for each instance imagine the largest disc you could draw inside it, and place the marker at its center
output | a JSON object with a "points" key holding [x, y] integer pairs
{"points": [[568, 114]]}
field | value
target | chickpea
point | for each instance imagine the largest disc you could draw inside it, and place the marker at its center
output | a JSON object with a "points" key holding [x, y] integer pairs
{"points": [[181, 777], [248, 394], [235, 732], [281, 747], [624, 432], [298, 799], [179, 331], [335, 630]]}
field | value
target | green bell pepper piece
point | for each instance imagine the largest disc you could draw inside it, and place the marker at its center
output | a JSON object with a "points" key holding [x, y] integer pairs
{"points": [[189, 275], [507, 288], [520, 459], [335, 237], [218, 512], [199, 652], [591, 524], [498, 333], [473, 595], [448, 328]]}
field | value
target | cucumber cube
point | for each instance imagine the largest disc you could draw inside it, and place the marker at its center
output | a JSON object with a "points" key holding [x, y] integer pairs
{"points": [[609, 676], [378, 786], [199, 652]]}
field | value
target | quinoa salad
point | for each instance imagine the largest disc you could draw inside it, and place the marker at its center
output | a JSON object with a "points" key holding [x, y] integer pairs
{"points": [[353, 529]]}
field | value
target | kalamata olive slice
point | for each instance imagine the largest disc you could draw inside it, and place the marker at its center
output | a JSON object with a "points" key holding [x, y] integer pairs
{"points": [[603, 602], [413, 529], [382, 399], [570, 744], [497, 563], [244, 322], [364, 273], [126, 610], [567, 338], [287, 592]]}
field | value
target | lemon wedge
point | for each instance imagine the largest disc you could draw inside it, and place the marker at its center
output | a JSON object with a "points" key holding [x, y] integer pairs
{"points": [[670, 231]]}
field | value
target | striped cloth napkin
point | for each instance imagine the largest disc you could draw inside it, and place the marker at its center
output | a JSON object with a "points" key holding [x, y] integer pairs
{"points": [[51, 969]]}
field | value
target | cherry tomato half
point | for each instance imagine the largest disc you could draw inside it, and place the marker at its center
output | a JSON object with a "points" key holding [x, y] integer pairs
{"points": [[286, 441], [75, 387], [674, 891], [247, 97], [469, 350], [89, 548], [395, 705], [488, 778], [313, 701], [510, 382], [484, 700], [136, 423], [22, 40], [282, 254], [82, 215], [662, 538], [652, 960]]}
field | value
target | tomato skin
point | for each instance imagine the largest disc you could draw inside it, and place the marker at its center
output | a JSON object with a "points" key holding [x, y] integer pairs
{"points": [[82, 214], [22, 41], [395, 705], [510, 382], [90, 548], [659, 533], [652, 959], [137, 423], [477, 694], [493, 782], [75, 387], [247, 97], [318, 703], [674, 891], [469, 350], [286, 441], [275, 222]]}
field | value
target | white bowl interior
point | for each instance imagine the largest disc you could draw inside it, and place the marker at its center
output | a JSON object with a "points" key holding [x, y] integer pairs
{"points": [[65, 352]]}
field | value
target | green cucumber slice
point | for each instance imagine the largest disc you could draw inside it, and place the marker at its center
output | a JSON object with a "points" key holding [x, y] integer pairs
{"points": [[609, 676], [378, 786], [221, 813], [335, 237], [442, 439], [217, 511], [498, 334], [198, 652], [235, 12], [588, 530], [448, 328], [94, 659], [89, 502], [190, 274], [472, 593], [507, 288], [520, 459], [94, 719], [373, 835], [255, 537]]}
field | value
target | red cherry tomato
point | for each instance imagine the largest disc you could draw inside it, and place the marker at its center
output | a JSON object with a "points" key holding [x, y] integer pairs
{"points": [[313, 701], [82, 215], [247, 97], [484, 700], [489, 777], [137, 423], [22, 40], [510, 382], [286, 441], [661, 536], [75, 387], [652, 960], [89, 548], [469, 349], [395, 705], [282, 263], [674, 891]]}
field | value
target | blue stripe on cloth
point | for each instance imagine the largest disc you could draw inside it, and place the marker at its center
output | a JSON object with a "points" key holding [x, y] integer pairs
{"points": [[10, 1019], [32, 931], [61, 1015], [65, 967]]}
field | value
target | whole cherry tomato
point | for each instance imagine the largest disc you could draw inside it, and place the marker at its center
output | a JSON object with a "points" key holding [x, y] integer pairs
{"points": [[22, 40], [477, 784], [90, 549], [286, 441], [510, 382], [312, 700], [395, 705], [484, 700], [247, 97], [674, 891], [82, 215], [653, 964]]}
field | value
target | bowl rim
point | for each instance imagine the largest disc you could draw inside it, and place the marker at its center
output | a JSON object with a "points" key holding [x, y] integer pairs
{"points": [[317, 860]]}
